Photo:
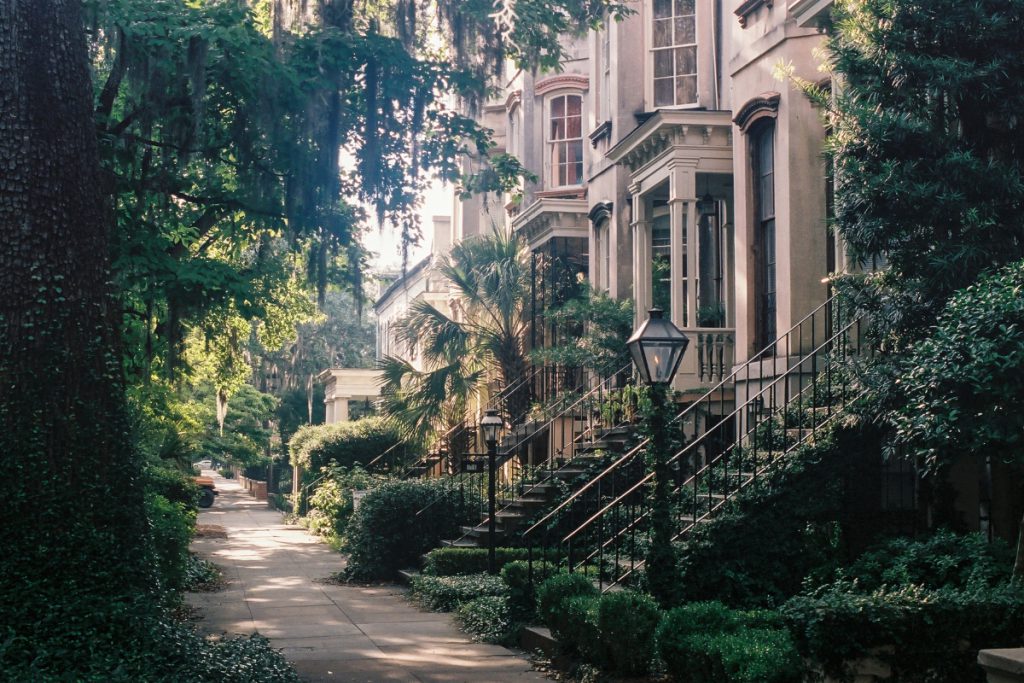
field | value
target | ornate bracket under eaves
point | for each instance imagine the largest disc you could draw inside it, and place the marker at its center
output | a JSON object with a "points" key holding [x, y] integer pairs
{"points": [[748, 7]]}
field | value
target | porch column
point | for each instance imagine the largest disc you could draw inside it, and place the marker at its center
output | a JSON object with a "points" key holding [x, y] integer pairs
{"points": [[641, 256], [329, 411], [683, 213], [341, 409]]}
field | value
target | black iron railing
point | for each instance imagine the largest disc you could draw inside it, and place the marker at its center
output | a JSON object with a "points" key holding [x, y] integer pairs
{"points": [[733, 435]]}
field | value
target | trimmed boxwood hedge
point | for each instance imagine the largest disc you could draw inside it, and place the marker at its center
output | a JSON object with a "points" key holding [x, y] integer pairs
{"points": [[345, 443], [400, 520]]}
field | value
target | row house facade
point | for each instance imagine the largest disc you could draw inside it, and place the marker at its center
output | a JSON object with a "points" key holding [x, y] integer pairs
{"points": [[675, 168]]}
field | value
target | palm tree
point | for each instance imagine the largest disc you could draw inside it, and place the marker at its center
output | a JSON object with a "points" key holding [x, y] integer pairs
{"points": [[460, 352]]}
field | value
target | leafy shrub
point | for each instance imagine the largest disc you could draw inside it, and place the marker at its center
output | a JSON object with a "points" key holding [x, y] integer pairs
{"points": [[202, 575], [446, 593], [345, 443], [171, 527], [332, 503], [400, 520], [935, 634], [578, 632], [488, 619], [226, 472], [552, 596], [780, 530], [945, 559], [455, 561], [522, 592], [706, 642], [626, 623], [172, 484]]}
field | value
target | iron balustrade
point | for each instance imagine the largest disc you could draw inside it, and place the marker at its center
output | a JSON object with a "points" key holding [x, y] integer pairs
{"points": [[765, 409]]}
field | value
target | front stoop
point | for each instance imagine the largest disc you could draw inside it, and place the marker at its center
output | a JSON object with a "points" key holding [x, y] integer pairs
{"points": [[1004, 665]]}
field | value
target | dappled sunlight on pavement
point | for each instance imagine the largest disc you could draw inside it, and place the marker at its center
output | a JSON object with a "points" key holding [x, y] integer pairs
{"points": [[329, 633]]}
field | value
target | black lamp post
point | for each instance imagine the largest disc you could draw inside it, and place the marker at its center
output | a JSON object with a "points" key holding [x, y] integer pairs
{"points": [[491, 424], [657, 347]]}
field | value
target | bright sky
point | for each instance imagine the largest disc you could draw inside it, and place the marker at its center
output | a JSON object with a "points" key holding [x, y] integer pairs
{"points": [[386, 242]]}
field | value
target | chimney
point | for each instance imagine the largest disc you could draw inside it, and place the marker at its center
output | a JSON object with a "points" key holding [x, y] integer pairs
{"points": [[442, 235]]}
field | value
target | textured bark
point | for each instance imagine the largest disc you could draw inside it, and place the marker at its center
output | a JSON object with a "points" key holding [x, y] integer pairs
{"points": [[74, 530]]}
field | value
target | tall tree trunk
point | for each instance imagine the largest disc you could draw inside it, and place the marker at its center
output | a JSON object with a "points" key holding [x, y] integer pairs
{"points": [[74, 528]]}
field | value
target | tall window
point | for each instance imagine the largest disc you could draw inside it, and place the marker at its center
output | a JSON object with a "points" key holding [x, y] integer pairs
{"points": [[762, 145], [604, 247], [674, 44], [661, 261], [566, 140]]}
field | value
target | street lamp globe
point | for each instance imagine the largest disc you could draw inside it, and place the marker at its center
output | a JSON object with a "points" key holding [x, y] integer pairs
{"points": [[657, 347], [491, 424]]}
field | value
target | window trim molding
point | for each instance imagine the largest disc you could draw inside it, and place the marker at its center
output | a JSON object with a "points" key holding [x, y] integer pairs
{"points": [[765, 105], [649, 58], [549, 170], [562, 82]]}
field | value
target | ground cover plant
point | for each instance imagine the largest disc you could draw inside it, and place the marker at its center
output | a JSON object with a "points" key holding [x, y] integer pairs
{"points": [[706, 642], [488, 619], [924, 607], [447, 593]]}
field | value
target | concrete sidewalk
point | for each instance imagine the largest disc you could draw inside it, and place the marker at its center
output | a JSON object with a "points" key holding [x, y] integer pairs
{"points": [[330, 633]]}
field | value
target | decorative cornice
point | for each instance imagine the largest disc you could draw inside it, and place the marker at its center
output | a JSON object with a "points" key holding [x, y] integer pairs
{"points": [[601, 211], [690, 134], [748, 7], [547, 218], [765, 104], [571, 81], [603, 130], [513, 100]]}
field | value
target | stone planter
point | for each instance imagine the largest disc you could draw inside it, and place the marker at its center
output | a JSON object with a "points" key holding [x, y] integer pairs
{"points": [[1003, 666]]}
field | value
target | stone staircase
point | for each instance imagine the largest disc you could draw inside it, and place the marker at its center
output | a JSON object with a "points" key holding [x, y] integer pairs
{"points": [[529, 500]]}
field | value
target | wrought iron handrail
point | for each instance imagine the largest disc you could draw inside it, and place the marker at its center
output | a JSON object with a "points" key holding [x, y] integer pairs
{"points": [[780, 382], [513, 482], [638, 448], [700, 439], [492, 402]]}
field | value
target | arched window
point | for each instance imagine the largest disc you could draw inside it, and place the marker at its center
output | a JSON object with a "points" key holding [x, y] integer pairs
{"points": [[674, 50], [565, 140]]}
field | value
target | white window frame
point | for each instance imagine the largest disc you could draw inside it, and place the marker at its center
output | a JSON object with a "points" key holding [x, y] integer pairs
{"points": [[550, 172], [650, 57]]}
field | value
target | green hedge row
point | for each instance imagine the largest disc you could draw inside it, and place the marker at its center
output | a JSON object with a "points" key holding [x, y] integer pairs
{"points": [[345, 443]]}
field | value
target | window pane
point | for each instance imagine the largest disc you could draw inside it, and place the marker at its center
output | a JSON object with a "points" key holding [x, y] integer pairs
{"points": [[662, 32], [662, 9], [686, 60], [557, 129], [684, 7], [663, 94], [575, 104], [558, 107], [685, 31], [686, 90], [574, 127], [574, 151], [663, 63]]}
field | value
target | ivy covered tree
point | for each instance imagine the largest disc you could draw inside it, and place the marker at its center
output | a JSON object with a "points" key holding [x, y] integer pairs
{"points": [[928, 144], [218, 132], [76, 561]]}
